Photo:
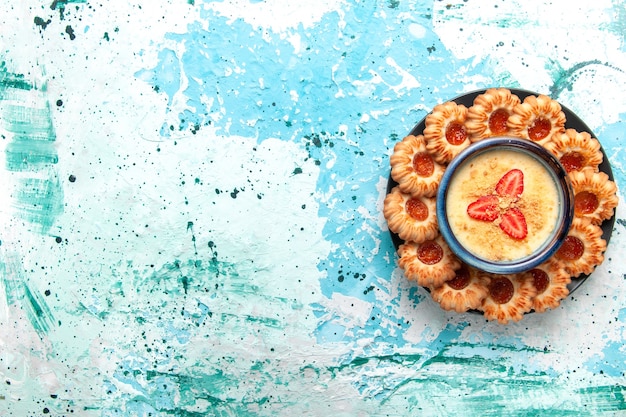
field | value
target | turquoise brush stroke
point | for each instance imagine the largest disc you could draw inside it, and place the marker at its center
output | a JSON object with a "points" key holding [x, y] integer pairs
{"points": [[31, 153]]}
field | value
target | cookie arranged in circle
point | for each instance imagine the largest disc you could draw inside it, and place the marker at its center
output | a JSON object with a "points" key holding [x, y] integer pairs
{"points": [[490, 113], [445, 131], [466, 291], [411, 218], [537, 118], [414, 168], [595, 196], [430, 263], [583, 248], [550, 280], [575, 150], [509, 297]]}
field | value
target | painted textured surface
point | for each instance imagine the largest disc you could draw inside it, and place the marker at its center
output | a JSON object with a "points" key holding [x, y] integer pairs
{"points": [[191, 209]]}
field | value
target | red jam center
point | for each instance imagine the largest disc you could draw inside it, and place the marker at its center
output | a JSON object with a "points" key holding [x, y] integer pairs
{"points": [[416, 209], [585, 202], [497, 121], [430, 253], [571, 249], [423, 164], [501, 290], [540, 279], [572, 161], [540, 129], [455, 133], [460, 280]]}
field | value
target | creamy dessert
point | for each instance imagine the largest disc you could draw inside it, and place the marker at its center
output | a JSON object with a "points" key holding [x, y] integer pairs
{"points": [[502, 205]]}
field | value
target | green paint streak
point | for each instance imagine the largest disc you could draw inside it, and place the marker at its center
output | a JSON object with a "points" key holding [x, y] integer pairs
{"points": [[190, 275], [564, 79], [376, 361], [28, 123], [38, 311], [31, 153], [39, 201], [218, 388], [18, 293], [63, 3], [605, 397], [9, 80], [475, 385]]}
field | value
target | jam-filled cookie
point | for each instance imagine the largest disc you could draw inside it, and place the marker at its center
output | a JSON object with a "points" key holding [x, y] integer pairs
{"points": [[509, 297], [583, 247], [490, 112], [576, 150], [414, 168], [550, 280], [595, 195], [411, 218], [466, 291], [445, 131], [537, 118], [430, 263]]}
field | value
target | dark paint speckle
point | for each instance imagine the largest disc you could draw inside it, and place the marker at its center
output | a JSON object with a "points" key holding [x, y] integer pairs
{"points": [[70, 31], [42, 23]]}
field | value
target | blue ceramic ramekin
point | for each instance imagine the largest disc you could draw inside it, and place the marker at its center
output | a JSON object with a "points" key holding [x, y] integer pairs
{"points": [[565, 210]]}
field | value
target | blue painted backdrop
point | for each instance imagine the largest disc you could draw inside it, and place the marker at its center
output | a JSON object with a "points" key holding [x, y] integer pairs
{"points": [[191, 209]]}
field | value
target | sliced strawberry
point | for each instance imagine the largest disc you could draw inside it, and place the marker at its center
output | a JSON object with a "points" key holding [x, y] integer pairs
{"points": [[511, 184], [513, 223], [485, 208]]}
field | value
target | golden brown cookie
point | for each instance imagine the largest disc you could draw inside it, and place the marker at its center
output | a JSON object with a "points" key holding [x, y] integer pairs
{"points": [[575, 150], [445, 131], [411, 218], [583, 248], [488, 115], [413, 168], [595, 195], [509, 297], [466, 291], [550, 280], [430, 263], [537, 118]]}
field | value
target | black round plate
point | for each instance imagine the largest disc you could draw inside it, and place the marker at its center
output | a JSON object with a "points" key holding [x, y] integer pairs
{"points": [[572, 122]]}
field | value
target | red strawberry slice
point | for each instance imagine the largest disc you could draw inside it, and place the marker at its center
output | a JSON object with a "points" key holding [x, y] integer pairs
{"points": [[511, 184], [513, 223], [485, 208]]}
